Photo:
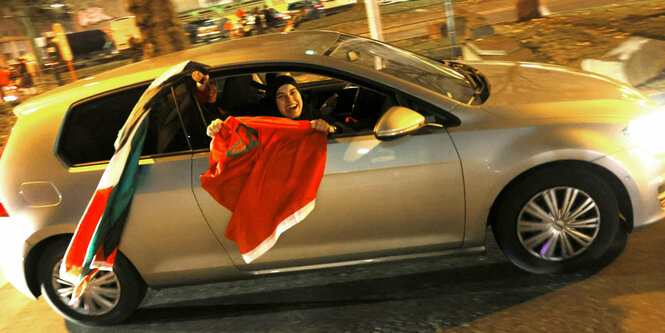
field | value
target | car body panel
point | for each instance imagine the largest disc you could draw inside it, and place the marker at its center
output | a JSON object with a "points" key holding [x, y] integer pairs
{"points": [[423, 171], [167, 239], [532, 83], [447, 177], [643, 176], [496, 149]]}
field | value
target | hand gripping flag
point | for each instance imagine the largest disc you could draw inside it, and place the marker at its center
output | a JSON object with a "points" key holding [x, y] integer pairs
{"points": [[267, 171], [97, 236]]}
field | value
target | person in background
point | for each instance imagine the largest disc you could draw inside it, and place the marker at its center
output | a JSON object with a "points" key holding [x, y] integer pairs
{"points": [[55, 59], [259, 21], [135, 43], [4, 81], [24, 75], [206, 96], [269, 18]]}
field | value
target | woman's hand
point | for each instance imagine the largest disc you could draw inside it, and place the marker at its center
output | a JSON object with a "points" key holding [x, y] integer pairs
{"points": [[214, 127], [322, 125], [200, 79]]}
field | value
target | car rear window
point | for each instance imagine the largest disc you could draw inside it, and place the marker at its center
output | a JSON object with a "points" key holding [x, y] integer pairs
{"points": [[91, 127]]}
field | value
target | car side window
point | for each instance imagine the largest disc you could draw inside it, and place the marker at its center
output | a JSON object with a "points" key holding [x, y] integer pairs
{"points": [[351, 107], [354, 109], [239, 95], [165, 131], [91, 127], [192, 117]]}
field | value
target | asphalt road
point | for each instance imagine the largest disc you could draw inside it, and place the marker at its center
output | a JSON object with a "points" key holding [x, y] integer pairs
{"points": [[470, 294]]}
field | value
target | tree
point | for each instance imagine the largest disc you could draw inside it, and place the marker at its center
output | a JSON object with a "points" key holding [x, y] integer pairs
{"points": [[19, 10], [160, 26], [527, 10]]}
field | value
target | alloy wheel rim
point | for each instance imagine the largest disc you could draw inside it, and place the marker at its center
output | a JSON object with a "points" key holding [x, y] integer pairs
{"points": [[101, 295], [558, 223]]}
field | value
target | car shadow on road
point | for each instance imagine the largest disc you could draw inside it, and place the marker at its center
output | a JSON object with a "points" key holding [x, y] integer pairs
{"points": [[449, 292], [454, 296]]}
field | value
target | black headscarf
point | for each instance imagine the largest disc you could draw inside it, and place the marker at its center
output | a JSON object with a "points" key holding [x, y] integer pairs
{"points": [[273, 85], [270, 103]]}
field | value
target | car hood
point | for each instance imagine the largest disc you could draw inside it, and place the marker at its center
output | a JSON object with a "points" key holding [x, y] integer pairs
{"points": [[530, 90]]}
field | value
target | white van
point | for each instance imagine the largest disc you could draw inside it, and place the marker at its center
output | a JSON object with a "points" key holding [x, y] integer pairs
{"points": [[121, 30]]}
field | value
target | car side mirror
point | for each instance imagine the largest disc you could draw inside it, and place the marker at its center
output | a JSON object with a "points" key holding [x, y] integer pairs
{"points": [[398, 121]]}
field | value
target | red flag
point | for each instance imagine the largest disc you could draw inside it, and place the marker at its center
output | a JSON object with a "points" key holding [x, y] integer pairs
{"points": [[267, 171]]}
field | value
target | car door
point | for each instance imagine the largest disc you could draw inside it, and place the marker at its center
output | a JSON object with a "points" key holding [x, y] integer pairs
{"points": [[377, 198], [165, 237], [167, 234]]}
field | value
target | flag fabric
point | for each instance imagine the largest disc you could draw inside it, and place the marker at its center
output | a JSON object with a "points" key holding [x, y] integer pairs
{"points": [[97, 236], [267, 171], [95, 242]]}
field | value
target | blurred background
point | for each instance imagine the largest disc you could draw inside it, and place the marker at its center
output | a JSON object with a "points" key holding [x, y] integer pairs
{"points": [[47, 43]]}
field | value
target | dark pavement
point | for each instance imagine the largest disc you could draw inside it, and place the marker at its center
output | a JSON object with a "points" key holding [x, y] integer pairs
{"points": [[471, 294]]}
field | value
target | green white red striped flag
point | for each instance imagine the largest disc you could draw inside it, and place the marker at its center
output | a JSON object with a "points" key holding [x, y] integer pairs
{"points": [[97, 236]]}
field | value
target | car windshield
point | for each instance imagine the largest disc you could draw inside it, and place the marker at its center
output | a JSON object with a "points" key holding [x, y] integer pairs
{"points": [[423, 71]]}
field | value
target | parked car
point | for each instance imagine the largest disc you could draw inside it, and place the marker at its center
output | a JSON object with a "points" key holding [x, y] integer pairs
{"points": [[305, 10], [431, 153], [91, 47], [336, 6], [274, 21], [11, 94], [211, 29], [191, 29], [122, 29]]}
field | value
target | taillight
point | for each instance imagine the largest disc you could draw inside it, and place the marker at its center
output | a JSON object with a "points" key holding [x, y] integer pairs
{"points": [[4, 144], [3, 211]]}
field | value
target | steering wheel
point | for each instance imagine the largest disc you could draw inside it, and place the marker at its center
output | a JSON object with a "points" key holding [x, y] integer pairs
{"points": [[340, 103], [330, 105]]}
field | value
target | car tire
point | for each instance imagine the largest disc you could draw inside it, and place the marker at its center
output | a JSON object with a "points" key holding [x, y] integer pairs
{"points": [[548, 237], [123, 290]]}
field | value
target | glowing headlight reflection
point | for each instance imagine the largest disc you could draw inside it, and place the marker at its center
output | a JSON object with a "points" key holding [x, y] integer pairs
{"points": [[648, 132]]}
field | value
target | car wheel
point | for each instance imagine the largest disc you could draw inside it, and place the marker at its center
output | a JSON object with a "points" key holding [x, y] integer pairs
{"points": [[110, 297], [555, 220]]}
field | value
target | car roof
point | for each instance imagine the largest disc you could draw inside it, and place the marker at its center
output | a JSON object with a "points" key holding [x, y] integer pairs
{"points": [[297, 46]]}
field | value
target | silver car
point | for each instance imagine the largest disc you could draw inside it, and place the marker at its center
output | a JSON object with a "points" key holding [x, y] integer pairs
{"points": [[430, 153]]}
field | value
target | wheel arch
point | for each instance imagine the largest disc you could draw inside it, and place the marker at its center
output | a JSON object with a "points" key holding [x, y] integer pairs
{"points": [[619, 190], [34, 256]]}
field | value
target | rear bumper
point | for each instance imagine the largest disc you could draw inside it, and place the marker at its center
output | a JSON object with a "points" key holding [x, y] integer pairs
{"points": [[12, 260]]}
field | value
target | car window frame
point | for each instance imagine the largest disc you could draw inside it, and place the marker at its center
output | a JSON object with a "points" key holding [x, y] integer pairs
{"points": [[63, 125], [168, 90], [217, 72], [400, 97]]}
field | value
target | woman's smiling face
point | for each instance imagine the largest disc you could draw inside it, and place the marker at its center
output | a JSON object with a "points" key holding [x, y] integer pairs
{"points": [[289, 102]]}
